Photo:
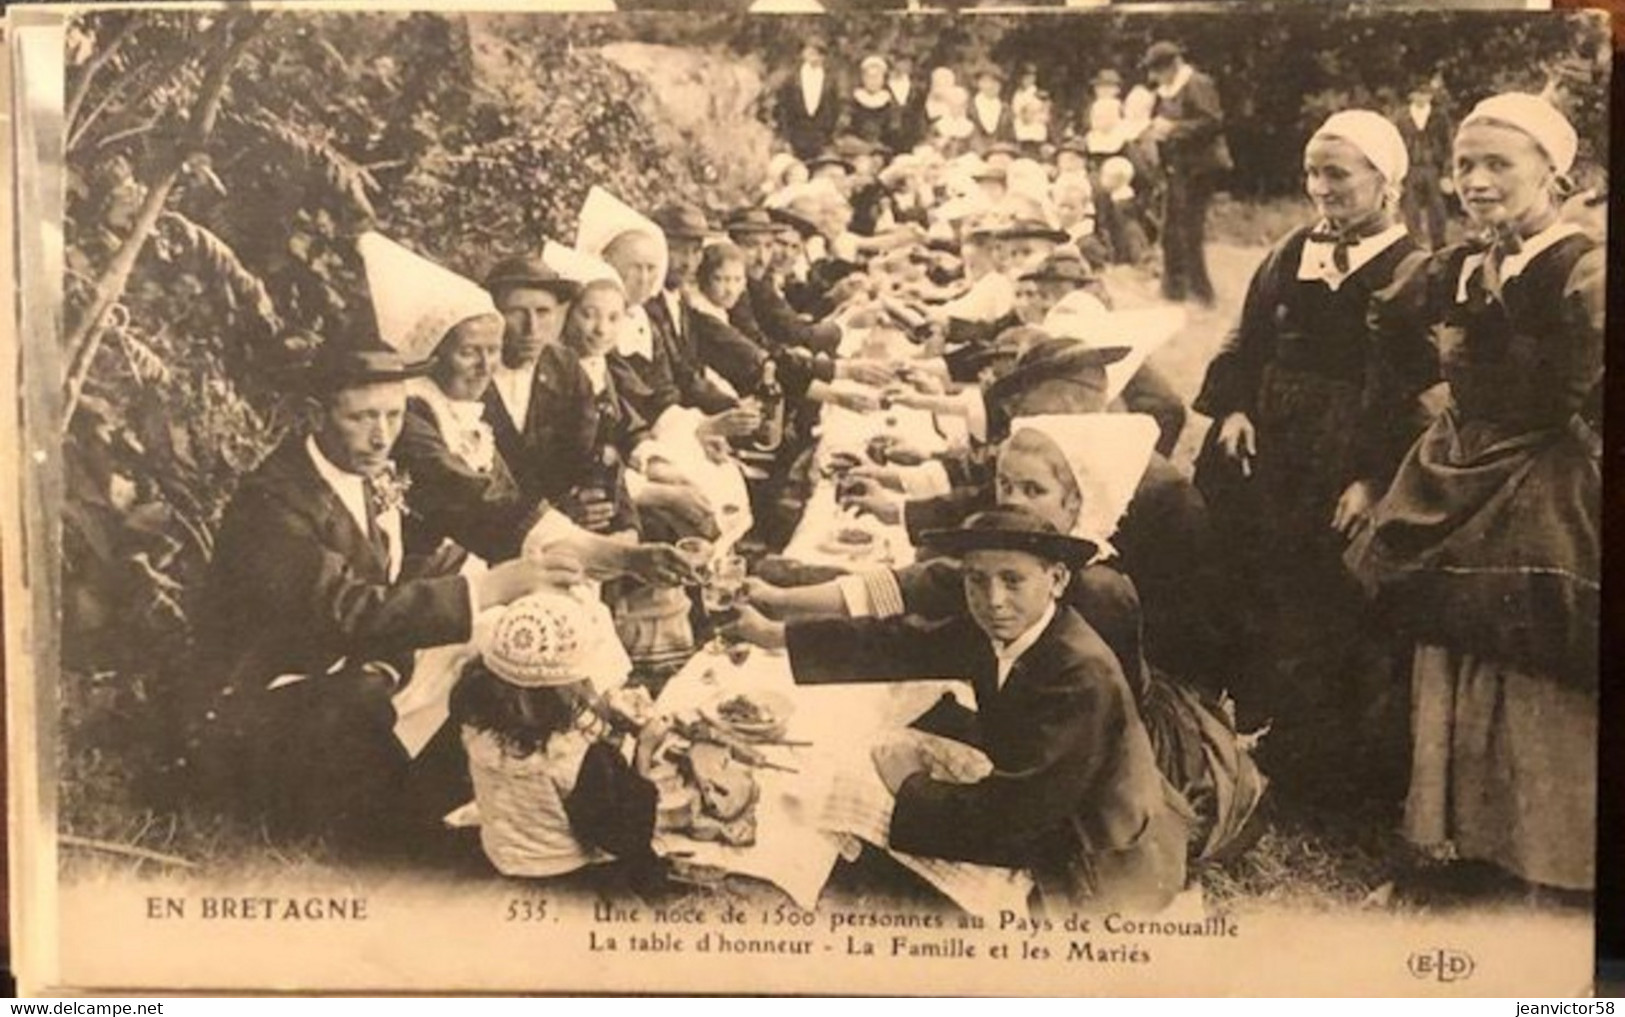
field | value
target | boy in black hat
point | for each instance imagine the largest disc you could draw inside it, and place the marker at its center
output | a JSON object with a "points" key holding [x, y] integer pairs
{"points": [[1075, 797]]}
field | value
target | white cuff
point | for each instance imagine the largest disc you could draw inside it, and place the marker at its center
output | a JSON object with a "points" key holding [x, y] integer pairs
{"points": [[976, 414], [553, 527], [636, 482], [927, 480], [856, 595]]}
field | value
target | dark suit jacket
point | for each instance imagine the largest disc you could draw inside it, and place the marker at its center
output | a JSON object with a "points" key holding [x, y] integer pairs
{"points": [[764, 312], [566, 431], [483, 512], [1196, 145], [1004, 129], [674, 376], [726, 350], [908, 121], [1428, 148], [294, 586], [1074, 780], [808, 133]]}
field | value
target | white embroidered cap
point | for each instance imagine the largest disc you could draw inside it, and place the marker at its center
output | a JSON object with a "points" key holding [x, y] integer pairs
{"points": [[605, 218], [1535, 117], [415, 301], [1375, 136], [538, 642]]}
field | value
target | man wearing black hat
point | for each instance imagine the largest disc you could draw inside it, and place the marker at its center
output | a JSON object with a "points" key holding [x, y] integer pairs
{"points": [[1075, 797], [764, 314], [315, 607], [1188, 127], [533, 300], [809, 104], [989, 113], [1427, 135]]}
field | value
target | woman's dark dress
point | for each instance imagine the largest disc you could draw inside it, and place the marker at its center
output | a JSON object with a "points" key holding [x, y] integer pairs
{"points": [[1298, 366], [1487, 543]]}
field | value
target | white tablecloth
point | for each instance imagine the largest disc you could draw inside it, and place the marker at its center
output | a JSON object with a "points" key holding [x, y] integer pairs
{"points": [[803, 818]]}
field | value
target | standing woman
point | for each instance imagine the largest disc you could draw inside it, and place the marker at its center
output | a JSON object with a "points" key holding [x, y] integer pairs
{"points": [[1284, 474], [1487, 540]]}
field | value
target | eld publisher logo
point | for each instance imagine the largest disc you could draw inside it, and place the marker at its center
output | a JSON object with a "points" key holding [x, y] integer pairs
{"points": [[1442, 965]]}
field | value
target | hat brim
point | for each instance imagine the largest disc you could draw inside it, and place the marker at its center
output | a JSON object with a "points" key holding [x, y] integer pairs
{"points": [[830, 160], [1073, 552], [564, 289], [327, 378], [746, 229], [1036, 233], [1024, 376], [800, 224]]}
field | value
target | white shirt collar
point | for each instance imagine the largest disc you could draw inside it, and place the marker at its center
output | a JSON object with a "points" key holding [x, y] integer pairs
{"points": [[597, 372], [514, 385], [702, 303], [1513, 265], [1420, 114], [1181, 78], [1010, 652], [900, 89], [1316, 261], [636, 338], [988, 110], [351, 489], [812, 86]]}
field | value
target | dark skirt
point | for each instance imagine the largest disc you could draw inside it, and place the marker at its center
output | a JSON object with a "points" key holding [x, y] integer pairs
{"points": [[1489, 544]]}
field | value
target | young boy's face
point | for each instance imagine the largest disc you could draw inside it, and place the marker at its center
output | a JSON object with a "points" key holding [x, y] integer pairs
{"points": [[1008, 591]]}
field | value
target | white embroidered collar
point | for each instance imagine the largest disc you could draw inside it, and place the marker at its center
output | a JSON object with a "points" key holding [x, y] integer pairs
{"points": [[1317, 262], [461, 422], [1512, 265], [877, 99]]}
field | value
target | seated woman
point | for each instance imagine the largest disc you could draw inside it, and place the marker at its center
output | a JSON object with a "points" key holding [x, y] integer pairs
{"points": [[461, 488], [1079, 473], [1075, 797]]}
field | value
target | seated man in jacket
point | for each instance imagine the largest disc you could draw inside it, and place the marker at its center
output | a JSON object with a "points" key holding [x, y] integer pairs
{"points": [[1075, 797], [315, 606], [764, 315]]}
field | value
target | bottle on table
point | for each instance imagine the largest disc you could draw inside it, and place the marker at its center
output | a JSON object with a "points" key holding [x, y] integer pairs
{"points": [[770, 394]]}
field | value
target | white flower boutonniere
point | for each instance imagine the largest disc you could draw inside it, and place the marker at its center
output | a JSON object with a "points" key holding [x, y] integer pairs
{"points": [[388, 490]]}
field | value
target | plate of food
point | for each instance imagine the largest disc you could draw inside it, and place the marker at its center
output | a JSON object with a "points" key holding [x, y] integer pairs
{"points": [[757, 716]]}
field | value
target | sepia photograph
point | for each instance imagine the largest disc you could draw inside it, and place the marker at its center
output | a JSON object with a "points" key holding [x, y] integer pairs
{"points": [[1042, 502]]}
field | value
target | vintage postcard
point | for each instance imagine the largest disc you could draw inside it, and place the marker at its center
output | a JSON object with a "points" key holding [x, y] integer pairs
{"points": [[1056, 502]]}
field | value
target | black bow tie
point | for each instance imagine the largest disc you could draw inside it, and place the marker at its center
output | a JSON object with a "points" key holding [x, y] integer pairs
{"points": [[1344, 239]]}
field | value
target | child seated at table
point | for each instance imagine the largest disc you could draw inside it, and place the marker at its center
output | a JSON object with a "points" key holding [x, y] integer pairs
{"points": [[1075, 797], [554, 792]]}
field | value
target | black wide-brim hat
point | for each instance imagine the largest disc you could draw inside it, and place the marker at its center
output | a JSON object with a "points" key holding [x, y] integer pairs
{"points": [[748, 221], [800, 223], [1028, 229], [1058, 360], [830, 158], [527, 272], [1161, 54], [339, 365], [1009, 528]]}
